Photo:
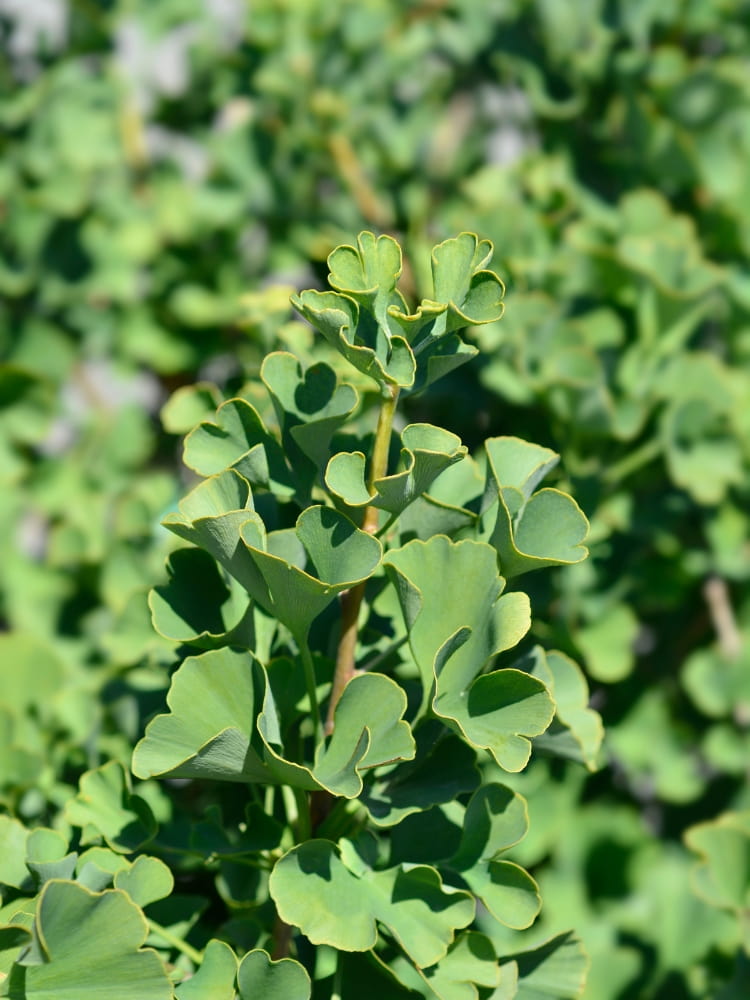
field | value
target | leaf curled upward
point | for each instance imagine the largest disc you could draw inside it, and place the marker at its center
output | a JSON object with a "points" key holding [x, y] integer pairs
{"points": [[368, 321]]}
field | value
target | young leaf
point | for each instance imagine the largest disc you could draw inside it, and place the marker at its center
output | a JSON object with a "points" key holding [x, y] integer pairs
{"points": [[426, 453]]}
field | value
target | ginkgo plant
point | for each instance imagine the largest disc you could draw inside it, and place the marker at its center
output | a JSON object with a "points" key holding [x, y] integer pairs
{"points": [[359, 672]]}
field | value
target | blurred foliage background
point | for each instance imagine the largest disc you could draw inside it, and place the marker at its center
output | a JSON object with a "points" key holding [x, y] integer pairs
{"points": [[171, 171]]}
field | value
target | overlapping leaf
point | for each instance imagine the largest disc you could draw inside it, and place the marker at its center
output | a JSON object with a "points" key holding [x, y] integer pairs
{"points": [[310, 405], [443, 769], [198, 606], [225, 725], [470, 962], [576, 731], [470, 846], [367, 320], [315, 889], [237, 439], [450, 597], [426, 452], [218, 516], [532, 529], [88, 945], [105, 807]]}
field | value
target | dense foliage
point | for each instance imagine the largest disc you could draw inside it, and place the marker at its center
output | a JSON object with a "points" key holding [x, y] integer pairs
{"points": [[171, 173]]}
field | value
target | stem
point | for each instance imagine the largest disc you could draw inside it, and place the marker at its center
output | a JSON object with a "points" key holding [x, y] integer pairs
{"points": [[338, 977], [304, 823], [632, 462], [353, 174], [312, 690], [195, 956], [351, 600], [281, 939]]}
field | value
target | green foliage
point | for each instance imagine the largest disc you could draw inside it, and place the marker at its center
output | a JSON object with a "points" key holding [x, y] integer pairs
{"points": [[248, 710], [171, 173]]}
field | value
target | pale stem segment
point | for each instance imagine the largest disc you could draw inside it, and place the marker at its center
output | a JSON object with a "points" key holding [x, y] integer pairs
{"points": [[351, 600]]}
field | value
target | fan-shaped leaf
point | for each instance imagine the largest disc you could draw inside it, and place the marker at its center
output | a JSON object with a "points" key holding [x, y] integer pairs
{"points": [[315, 891], [91, 948], [532, 530]]}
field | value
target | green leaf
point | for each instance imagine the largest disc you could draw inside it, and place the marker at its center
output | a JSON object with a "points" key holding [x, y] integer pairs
{"points": [[47, 855], [368, 732], [470, 962], [556, 970], [342, 555], [310, 405], [188, 406], [532, 530], [495, 820], [426, 452], [211, 517], [464, 293], [224, 725], [198, 606], [718, 681], [32, 673], [722, 877], [443, 768], [368, 273], [704, 455], [468, 842], [358, 338], [444, 587], [450, 597], [13, 838], [105, 807], [91, 947], [211, 730], [215, 977], [576, 731], [315, 891], [238, 440], [145, 881], [607, 643], [260, 976]]}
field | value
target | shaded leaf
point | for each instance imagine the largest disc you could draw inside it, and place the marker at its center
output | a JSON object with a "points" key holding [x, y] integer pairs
{"points": [[197, 606], [470, 962], [443, 769], [576, 731], [450, 596], [237, 439], [145, 881], [104, 806], [310, 405]]}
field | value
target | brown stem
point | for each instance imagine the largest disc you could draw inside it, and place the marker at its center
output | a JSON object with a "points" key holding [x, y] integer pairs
{"points": [[351, 170], [351, 600], [716, 593], [281, 940]]}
